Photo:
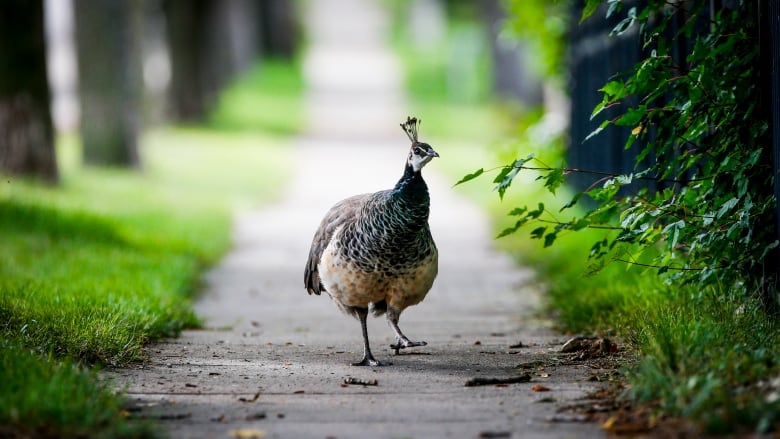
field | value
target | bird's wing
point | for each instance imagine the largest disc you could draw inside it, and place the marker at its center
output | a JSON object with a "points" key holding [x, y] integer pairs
{"points": [[342, 213]]}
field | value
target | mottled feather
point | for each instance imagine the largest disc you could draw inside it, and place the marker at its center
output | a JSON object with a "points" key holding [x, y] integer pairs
{"points": [[341, 213], [375, 251]]}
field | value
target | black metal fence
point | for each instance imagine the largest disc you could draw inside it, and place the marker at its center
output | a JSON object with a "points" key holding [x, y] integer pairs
{"points": [[594, 58]]}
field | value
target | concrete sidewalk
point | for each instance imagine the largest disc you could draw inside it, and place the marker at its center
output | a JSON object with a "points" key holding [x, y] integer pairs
{"points": [[273, 361]]}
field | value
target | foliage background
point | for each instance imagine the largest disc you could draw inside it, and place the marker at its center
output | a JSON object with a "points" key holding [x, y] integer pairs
{"points": [[681, 249]]}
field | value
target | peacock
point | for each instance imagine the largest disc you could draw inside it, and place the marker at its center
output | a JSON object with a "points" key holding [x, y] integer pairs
{"points": [[374, 252]]}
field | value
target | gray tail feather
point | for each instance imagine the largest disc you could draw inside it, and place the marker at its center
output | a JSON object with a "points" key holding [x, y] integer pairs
{"points": [[378, 308]]}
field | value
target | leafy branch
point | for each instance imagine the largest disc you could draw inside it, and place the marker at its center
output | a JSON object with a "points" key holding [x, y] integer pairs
{"points": [[701, 190]]}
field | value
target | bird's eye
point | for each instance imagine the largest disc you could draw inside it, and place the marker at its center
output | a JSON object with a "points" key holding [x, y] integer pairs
{"points": [[418, 150]]}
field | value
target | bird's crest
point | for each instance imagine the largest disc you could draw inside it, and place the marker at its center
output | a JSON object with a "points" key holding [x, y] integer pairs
{"points": [[410, 128]]}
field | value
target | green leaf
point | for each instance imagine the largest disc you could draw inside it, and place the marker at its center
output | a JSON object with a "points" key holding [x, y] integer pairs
{"points": [[520, 162], [631, 117], [629, 142], [614, 89], [571, 202], [538, 232], [503, 173], [471, 176], [506, 181], [624, 179], [513, 229], [579, 224], [614, 6], [600, 107], [597, 130], [549, 239], [517, 211], [507, 175], [624, 24], [725, 207], [553, 180], [674, 228], [534, 214], [589, 9]]}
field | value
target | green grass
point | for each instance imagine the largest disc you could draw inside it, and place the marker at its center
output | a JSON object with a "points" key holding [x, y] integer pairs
{"points": [[708, 356], [94, 269], [47, 397], [267, 98], [451, 96]]}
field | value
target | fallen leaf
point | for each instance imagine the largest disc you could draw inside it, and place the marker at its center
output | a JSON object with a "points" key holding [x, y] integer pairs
{"points": [[494, 434], [617, 425], [298, 392], [537, 364], [589, 347], [480, 381], [360, 382], [568, 418], [253, 399], [540, 388], [247, 433], [256, 416], [174, 417]]}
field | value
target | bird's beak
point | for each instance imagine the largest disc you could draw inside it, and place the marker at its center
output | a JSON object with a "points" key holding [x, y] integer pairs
{"points": [[433, 153]]}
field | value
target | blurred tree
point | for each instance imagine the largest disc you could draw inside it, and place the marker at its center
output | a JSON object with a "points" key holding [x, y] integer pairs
{"points": [[26, 132], [279, 31], [189, 93], [210, 42], [512, 75], [108, 39]]}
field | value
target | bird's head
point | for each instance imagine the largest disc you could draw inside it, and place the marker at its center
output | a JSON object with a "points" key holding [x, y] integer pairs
{"points": [[420, 153]]}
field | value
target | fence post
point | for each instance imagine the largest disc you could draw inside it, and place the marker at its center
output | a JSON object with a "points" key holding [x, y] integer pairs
{"points": [[769, 22]]}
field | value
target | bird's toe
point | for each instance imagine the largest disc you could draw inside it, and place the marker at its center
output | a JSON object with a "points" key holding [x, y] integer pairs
{"points": [[406, 343], [371, 362]]}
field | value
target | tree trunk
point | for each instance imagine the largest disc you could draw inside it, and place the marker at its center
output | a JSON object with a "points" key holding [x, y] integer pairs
{"points": [[279, 32], [26, 131], [512, 77], [108, 38], [210, 41], [189, 95]]}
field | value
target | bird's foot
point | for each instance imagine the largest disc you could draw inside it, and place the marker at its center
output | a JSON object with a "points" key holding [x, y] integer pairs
{"points": [[371, 362], [403, 343]]}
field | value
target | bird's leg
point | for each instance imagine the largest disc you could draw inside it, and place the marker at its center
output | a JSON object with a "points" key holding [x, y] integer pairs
{"points": [[368, 358], [401, 341]]}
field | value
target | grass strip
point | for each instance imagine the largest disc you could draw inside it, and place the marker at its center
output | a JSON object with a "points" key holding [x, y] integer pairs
{"points": [[709, 356], [49, 397], [98, 267]]}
